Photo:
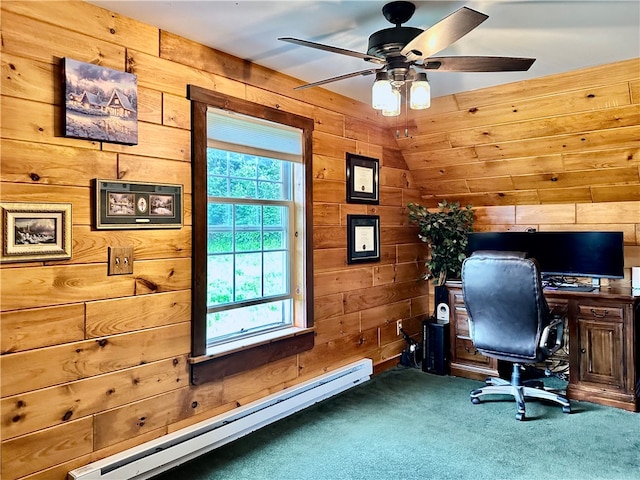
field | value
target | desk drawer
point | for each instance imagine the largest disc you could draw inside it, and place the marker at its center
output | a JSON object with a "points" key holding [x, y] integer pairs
{"points": [[592, 311], [466, 353]]}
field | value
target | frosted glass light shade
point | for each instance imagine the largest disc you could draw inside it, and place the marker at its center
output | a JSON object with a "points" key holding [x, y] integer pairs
{"points": [[392, 109], [381, 93], [420, 93]]}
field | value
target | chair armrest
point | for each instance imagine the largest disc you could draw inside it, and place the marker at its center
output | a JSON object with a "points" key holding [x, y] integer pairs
{"points": [[552, 336]]}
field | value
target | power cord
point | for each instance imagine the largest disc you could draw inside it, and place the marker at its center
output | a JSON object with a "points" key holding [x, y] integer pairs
{"points": [[410, 354]]}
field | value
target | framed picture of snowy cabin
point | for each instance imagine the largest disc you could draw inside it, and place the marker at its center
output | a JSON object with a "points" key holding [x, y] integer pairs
{"points": [[100, 103]]}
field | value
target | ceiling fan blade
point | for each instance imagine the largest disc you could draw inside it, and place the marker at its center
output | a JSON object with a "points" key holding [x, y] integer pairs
{"points": [[328, 48], [442, 34], [477, 64], [341, 77]]}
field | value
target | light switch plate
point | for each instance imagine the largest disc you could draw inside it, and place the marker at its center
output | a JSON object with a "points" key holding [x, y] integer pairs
{"points": [[120, 260]]}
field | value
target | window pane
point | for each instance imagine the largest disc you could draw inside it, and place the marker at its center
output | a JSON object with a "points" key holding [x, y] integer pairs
{"points": [[270, 191], [270, 169], [239, 188], [219, 242], [219, 214], [248, 241], [219, 279], [251, 319], [274, 240], [275, 273], [249, 215], [276, 216], [243, 166], [248, 275], [217, 186], [216, 162]]}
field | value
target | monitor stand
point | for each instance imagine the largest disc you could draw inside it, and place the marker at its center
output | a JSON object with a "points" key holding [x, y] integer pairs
{"points": [[595, 283]]}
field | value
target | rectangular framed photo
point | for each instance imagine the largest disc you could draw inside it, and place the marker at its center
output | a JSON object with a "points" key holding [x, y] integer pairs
{"points": [[363, 238], [35, 232], [133, 205], [100, 103], [362, 179]]}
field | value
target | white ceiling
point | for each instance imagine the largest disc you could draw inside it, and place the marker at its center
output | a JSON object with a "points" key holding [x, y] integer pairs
{"points": [[562, 35]]}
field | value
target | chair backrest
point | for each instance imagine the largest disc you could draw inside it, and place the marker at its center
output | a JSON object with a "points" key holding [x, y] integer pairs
{"points": [[505, 303]]}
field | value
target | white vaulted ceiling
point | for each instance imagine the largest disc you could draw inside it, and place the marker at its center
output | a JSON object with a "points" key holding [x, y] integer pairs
{"points": [[561, 35]]}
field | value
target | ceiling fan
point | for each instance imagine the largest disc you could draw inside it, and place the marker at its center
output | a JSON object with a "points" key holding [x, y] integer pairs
{"points": [[395, 50]]}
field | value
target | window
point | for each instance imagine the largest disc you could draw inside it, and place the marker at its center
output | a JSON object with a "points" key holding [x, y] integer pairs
{"points": [[252, 289], [252, 200]]}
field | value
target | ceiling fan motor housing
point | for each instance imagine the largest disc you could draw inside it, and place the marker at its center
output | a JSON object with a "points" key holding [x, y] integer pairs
{"points": [[390, 41]]}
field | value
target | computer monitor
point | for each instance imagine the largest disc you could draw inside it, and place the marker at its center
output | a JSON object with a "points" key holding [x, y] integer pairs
{"points": [[571, 254]]}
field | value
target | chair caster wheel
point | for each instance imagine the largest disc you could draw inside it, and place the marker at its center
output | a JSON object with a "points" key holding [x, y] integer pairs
{"points": [[566, 409], [520, 416], [475, 400]]}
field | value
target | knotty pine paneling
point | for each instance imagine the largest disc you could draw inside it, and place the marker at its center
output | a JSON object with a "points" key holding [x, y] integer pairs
{"points": [[45, 42], [30, 453], [108, 317], [336, 327], [385, 314], [34, 369], [562, 139], [24, 413], [93, 364], [22, 329], [41, 163]]}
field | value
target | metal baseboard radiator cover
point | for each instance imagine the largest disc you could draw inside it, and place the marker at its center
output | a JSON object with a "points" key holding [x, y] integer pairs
{"points": [[159, 455]]}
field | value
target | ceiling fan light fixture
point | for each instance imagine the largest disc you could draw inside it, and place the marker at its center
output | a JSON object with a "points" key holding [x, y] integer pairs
{"points": [[381, 92], [393, 105], [420, 94]]}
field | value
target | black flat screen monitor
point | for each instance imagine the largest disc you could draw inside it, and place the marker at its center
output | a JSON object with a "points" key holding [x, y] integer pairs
{"points": [[574, 254]]}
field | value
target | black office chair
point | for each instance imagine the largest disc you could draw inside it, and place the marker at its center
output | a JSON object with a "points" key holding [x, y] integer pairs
{"points": [[509, 319]]}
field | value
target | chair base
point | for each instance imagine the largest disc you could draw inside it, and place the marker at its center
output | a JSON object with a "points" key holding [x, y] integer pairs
{"points": [[519, 390]]}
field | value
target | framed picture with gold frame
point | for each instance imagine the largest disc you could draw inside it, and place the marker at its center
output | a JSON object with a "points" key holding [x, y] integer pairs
{"points": [[35, 232]]}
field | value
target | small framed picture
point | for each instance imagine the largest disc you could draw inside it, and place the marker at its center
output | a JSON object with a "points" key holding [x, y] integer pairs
{"points": [[362, 179], [363, 238], [121, 205], [34, 232]]}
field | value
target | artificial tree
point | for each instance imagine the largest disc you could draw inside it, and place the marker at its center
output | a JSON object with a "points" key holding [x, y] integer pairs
{"points": [[446, 232]]}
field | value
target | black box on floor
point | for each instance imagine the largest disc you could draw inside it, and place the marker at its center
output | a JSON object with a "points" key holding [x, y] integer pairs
{"points": [[435, 347]]}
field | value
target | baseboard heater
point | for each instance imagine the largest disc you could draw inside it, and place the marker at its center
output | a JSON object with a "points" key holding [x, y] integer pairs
{"points": [[157, 456]]}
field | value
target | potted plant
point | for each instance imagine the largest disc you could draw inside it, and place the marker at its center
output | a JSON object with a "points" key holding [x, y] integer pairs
{"points": [[446, 232]]}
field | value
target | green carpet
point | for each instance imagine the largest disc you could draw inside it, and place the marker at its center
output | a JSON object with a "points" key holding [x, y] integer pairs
{"points": [[406, 424]]}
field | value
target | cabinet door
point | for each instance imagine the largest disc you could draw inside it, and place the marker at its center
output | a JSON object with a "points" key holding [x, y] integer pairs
{"points": [[601, 352]]}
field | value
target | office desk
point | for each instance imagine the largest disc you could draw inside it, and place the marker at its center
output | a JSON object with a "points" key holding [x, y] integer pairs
{"points": [[604, 331]]}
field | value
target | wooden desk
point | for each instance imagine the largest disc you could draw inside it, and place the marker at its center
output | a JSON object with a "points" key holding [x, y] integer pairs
{"points": [[604, 360]]}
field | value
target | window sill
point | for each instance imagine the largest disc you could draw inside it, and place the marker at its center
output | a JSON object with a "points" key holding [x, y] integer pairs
{"points": [[230, 348], [235, 357]]}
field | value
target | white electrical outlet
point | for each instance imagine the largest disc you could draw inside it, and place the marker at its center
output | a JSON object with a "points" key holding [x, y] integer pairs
{"points": [[398, 327]]}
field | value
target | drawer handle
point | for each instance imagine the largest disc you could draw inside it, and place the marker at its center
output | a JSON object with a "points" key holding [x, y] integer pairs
{"points": [[583, 350], [469, 350], [602, 315]]}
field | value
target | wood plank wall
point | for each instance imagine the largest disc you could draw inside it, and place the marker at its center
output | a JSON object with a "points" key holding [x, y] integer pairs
{"points": [[93, 364], [554, 153]]}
